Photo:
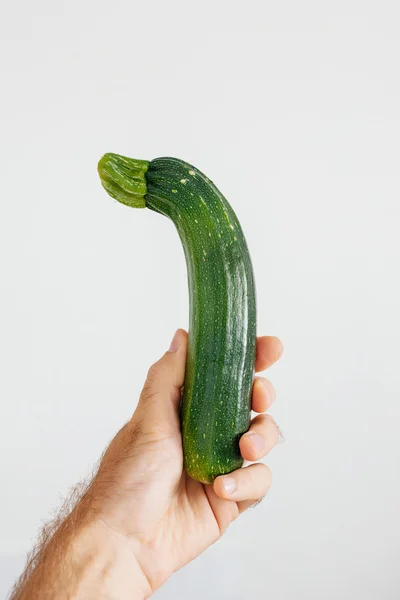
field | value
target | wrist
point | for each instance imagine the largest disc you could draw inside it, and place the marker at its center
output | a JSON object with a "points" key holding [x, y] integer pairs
{"points": [[104, 567]]}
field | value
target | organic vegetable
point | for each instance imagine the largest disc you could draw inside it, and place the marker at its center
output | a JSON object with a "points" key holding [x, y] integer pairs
{"points": [[222, 330]]}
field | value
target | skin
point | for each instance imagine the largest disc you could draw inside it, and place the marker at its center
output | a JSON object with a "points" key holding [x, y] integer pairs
{"points": [[142, 517]]}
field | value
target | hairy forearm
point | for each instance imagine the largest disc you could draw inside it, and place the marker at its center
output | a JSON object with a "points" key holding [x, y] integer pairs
{"points": [[83, 561]]}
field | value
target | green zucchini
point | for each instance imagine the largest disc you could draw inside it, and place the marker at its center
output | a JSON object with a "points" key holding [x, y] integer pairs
{"points": [[215, 408]]}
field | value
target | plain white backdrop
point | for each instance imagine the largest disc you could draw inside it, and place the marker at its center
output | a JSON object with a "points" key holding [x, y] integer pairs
{"points": [[292, 108]]}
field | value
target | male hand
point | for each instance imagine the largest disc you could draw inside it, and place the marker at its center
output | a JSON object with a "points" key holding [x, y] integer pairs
{"points": [[141, 492], [142, 517]]}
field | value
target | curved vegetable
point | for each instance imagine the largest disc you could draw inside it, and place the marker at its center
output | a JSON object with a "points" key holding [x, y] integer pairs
{"points": [[222, 330]]}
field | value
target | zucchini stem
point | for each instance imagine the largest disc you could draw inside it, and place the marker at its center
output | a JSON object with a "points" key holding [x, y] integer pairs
{"points": [[124, 178]]}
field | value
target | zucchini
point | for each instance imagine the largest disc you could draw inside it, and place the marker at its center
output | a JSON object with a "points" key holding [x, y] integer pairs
{"points": [[215, 409]]}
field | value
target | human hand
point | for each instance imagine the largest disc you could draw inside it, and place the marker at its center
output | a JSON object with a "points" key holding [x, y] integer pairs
{"points": [[141, 494]]}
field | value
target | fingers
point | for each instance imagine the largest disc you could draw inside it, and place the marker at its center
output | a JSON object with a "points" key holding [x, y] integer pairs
{"points": [[263, 395], [247, 484], [162, 389], [262, 436], [268, 350], [224, 512]]}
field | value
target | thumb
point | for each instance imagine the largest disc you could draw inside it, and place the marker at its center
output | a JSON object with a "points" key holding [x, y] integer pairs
{"points": [[161, 394]]}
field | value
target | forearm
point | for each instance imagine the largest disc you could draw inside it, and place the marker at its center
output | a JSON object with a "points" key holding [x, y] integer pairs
{"points": [[84, 562]]}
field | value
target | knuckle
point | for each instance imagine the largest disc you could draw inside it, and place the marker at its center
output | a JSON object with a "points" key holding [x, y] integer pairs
{"points": [[153, 371], [153, 375], [160, 368]]}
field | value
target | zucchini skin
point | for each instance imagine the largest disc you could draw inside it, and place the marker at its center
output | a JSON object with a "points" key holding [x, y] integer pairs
{"points": [[216, 402]]}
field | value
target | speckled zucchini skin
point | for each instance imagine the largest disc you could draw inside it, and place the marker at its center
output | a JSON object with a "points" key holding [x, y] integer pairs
{"points": [[222, 330]]}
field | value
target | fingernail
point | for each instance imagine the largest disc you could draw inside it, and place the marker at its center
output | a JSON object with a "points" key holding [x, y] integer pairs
{"points": [[257, 441], [229, 484], [175, 342]]}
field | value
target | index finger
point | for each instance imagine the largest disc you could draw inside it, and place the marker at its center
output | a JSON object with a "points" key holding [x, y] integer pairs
{"points": [[269, 349]]}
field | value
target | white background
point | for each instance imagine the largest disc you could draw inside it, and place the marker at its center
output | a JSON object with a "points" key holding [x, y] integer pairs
{"points": [[292, 108]]}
